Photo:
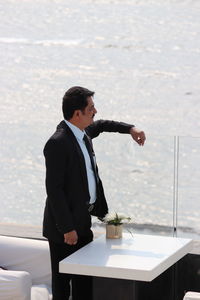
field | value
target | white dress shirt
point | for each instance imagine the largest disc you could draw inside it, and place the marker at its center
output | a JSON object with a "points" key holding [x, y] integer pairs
{"points": [[79, 134]]}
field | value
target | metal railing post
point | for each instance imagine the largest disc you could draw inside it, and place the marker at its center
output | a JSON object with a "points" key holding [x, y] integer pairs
{"points": [[175, 185]]}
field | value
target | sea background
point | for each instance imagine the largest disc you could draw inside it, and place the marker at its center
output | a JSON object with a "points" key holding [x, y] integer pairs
{"points": [[142, 59]]}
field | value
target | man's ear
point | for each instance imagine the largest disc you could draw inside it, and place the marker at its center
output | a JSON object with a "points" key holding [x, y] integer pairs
{"points": [[76, 114]]}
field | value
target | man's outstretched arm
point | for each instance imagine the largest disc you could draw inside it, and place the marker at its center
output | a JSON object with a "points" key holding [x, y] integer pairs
{"points": [[100, 126]]}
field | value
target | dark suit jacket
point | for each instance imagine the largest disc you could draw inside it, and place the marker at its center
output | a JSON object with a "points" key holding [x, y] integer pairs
{"points": [[66, 181]]}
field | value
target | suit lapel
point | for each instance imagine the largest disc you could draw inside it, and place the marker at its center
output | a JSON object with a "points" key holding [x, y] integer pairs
{"points": [[78, 153]]}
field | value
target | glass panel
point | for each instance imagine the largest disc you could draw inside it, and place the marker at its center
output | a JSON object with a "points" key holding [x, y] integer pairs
{"points": [[138, 181], [22, 191], [189, 187]]}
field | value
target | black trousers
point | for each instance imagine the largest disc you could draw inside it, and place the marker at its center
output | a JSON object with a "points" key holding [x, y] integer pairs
{"points": [[81, 285]]}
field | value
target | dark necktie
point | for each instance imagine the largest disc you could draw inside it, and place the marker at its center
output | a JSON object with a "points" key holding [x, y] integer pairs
{"points": [[90, 150]]}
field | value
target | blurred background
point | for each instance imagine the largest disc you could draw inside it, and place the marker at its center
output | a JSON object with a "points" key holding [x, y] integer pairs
{"points": [[142, 60]]}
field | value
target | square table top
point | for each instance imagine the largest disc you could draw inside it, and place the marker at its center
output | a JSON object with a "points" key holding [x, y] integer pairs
{"points": [[138, 257]]}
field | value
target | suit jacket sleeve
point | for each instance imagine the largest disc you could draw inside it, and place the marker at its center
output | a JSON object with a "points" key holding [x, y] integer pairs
{"points": [[55, 158], [107, 126]]}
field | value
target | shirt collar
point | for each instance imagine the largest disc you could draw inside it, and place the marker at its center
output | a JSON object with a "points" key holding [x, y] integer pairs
{"points": [[79, 134]]}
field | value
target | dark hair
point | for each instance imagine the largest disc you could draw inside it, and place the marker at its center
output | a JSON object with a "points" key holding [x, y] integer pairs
{"points": [[75, 99]]}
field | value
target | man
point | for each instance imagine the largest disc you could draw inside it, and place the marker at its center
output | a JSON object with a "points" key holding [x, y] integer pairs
{"points": [[74, 189]]}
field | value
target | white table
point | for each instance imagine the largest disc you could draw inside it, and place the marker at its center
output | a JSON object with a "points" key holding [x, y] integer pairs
{"points": [[138, 257]]}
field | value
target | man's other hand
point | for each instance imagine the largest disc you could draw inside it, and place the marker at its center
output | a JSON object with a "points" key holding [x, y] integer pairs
{"points": [[71, 237], [138, 135]]}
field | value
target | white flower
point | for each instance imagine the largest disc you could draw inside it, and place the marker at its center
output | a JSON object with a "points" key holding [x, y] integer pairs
{"points": [[121, 216], [110, 217], [115, 218]]}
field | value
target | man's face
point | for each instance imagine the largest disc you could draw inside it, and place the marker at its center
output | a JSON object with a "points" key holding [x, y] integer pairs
{"points": [[87, 116]]}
